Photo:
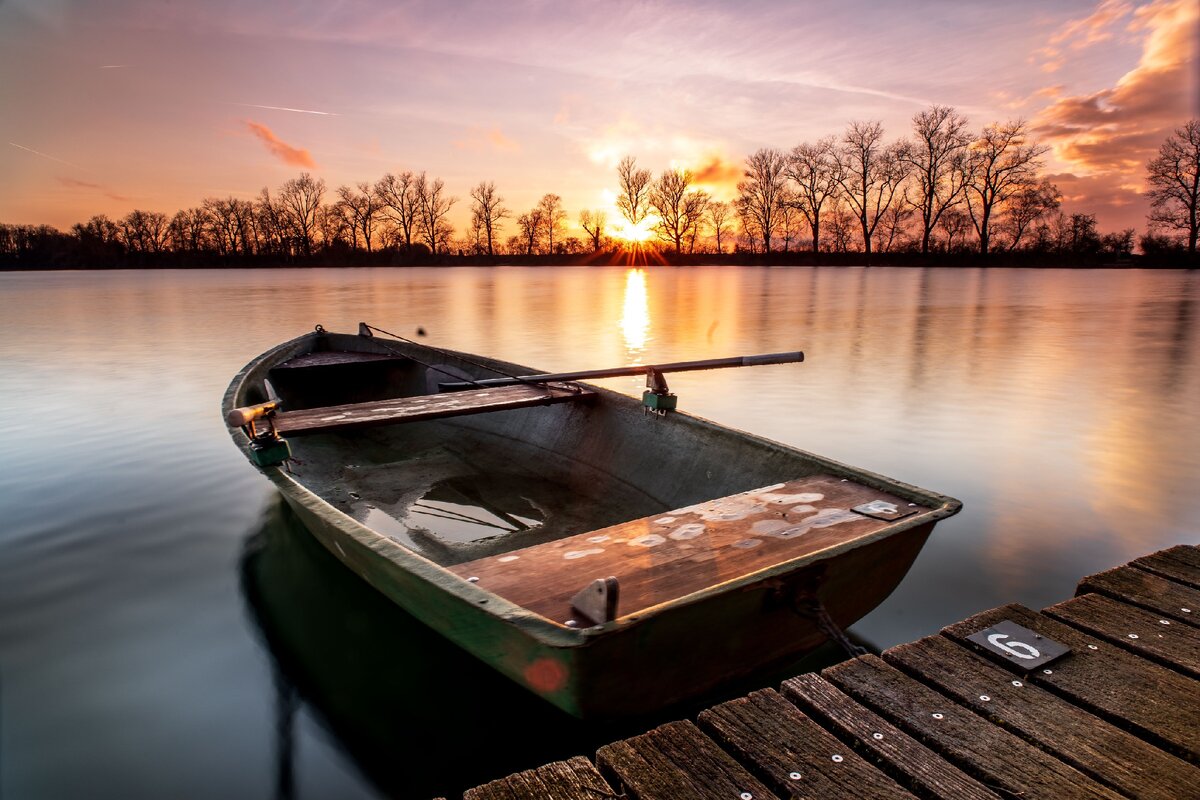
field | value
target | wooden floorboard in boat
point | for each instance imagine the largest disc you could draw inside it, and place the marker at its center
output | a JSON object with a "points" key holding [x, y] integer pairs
{"points": [[422, 407], [667, 556], [328, 358]]}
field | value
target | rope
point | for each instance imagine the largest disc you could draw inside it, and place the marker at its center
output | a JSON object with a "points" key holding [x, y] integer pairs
{"points": [[425, 364], [458, 356], [809, 605]]}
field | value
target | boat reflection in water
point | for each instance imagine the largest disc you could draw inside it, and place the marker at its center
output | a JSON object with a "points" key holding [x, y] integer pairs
{"points": [[418, 716]]}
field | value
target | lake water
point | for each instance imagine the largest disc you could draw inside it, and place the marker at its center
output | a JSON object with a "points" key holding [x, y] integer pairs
{"points": [[167, 629]]}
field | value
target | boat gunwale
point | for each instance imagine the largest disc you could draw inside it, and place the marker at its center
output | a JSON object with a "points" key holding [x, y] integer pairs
{"points": [[545, 630]]}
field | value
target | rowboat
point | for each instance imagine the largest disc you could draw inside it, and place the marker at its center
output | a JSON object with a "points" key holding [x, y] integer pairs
{"points": [[611, 555]]}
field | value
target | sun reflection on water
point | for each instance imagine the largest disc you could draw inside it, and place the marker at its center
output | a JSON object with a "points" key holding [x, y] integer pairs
{"points": [[635, 319]]}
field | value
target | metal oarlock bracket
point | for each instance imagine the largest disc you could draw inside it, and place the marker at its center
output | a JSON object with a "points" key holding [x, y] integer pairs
{"points": [[658, 397]]}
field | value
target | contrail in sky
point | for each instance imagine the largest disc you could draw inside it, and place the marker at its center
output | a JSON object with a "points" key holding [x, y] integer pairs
{"points": [[284, 108], [43, 155]]}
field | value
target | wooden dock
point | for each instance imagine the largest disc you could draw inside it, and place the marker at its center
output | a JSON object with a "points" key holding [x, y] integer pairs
{"points": [[1116, 715]]}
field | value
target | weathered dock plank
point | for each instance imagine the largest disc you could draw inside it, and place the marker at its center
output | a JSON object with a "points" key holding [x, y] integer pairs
{"points": [[1129, 691], [677, 761], [986, 751], [913, 764], [1147, 590], [1149, 635], [942, 717], [794, 755], [1180, 563], [573, 779], [1112, 756]]}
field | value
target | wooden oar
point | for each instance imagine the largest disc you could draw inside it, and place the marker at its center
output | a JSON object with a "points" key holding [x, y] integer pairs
{"points": [[618, 372]]}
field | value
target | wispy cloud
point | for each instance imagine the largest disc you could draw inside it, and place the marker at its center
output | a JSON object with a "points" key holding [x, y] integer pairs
{"points": [[112, 66], [294, 156], [74, 183], [44, 155], [285, 108], [1082, 33], [492, 139]]}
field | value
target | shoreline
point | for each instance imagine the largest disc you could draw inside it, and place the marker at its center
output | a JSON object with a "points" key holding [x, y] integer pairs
{"points": [[645, 259]]}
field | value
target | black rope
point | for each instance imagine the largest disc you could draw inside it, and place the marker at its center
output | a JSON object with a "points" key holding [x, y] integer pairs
{"points": [[425, 364], [460, 357], [809, 605]]}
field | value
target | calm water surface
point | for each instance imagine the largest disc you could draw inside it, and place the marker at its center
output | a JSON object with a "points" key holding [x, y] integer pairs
{"points": [[167, 630]]}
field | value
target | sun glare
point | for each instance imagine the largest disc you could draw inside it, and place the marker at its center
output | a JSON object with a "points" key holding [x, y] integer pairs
{"points": [[633, 233]]}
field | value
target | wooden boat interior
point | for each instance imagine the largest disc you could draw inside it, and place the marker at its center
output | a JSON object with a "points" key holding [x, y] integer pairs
{"points": [[661, 558], [535, 493]]}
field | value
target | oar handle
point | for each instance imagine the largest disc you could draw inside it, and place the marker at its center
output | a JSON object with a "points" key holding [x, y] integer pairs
{"points": [[240, 417], [772, 358]]}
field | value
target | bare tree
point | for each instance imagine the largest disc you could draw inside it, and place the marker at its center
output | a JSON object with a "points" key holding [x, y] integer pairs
{"points": [[937, 159], [531, 229], [487, 212], [1002, 161], [1027, 207], [839, 225], [361, 209], [300, 199], [894, 226], [593, 223], [787, 217], [433, 206], [759, 193], [270, 226], [954, 223], [552, 215], [1174, 178], [400, 203], [188, 231], [870, 173], [814, 169], [718, 218], [633, 201], [679, 207], [144, 231], [335, 227], [229, 221]]}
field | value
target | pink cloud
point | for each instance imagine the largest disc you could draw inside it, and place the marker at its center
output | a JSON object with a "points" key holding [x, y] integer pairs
{"points": [[1082, 33], [1106, 137], [293, 156]]}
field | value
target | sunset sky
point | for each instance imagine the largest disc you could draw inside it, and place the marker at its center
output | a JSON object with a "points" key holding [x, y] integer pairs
{"points": [[107, 107]]}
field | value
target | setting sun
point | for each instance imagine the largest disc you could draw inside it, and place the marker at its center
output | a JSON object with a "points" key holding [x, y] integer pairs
{"points": [[633, 233]]}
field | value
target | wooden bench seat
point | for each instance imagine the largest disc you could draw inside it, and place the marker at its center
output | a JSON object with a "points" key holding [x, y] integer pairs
{"points": [[423, 407], [667, 556]]}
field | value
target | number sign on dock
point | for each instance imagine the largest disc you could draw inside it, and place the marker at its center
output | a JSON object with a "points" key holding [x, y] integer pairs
{"points": [[1108, 707]]}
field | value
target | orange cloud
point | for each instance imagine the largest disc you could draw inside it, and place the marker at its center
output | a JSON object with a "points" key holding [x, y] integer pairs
{"points": [[293, 156], [717, 170], [1109, 135]]}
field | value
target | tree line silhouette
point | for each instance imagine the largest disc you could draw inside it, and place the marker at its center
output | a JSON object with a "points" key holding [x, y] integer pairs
{"points": [[944, 190]]}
